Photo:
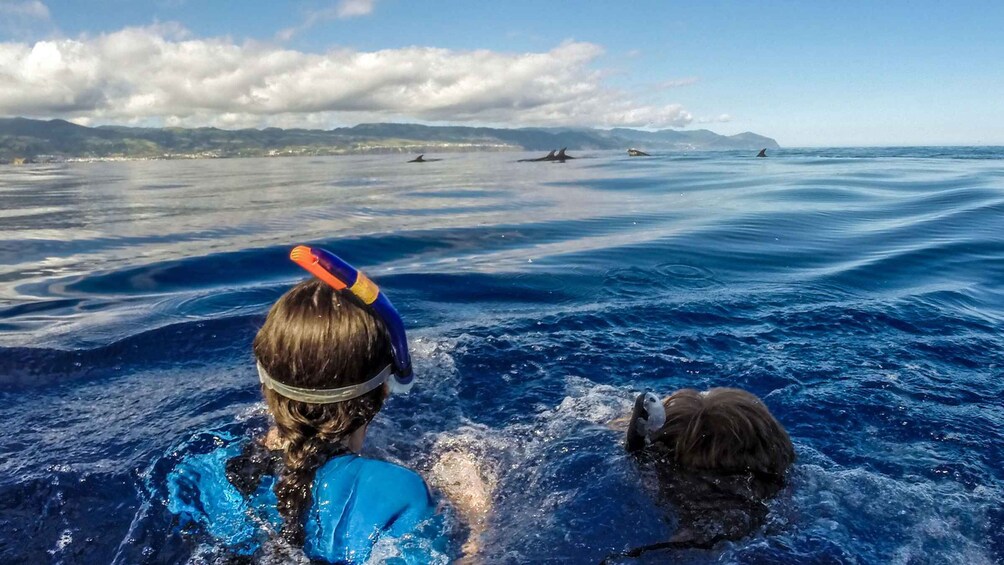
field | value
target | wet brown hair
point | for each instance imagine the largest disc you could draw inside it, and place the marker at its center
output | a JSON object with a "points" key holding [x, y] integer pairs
{"points": [[719, 457], [724, 430], [316, 337]]}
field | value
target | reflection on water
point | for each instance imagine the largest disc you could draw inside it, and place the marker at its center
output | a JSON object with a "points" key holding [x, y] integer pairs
{"points": [[858, 291]]}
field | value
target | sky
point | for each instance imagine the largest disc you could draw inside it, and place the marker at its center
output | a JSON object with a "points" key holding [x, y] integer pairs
{"points": [[849, 73]]}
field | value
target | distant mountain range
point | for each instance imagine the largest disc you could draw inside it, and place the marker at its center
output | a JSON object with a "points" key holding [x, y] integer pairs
{"points": [[23, 139]]}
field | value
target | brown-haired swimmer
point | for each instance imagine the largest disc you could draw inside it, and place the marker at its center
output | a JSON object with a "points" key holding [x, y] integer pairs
{"points": [[719, 456], [328, 354]]}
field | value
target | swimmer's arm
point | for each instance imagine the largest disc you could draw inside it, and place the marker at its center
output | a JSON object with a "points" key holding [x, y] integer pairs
{"points": [[198, 491], [458, 477]]}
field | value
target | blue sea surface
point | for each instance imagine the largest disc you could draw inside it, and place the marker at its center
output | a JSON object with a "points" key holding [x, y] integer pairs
{"points": [[859, 292]]}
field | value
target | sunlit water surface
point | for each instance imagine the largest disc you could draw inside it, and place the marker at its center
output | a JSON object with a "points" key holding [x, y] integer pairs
{"points": [[859, 292]]}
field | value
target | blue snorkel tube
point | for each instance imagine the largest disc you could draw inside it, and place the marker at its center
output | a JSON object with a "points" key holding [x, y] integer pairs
{"points": [[341, 276]]}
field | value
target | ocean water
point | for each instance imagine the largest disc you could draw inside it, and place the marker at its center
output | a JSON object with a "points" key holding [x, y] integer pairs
{"points": [[859, 292]]}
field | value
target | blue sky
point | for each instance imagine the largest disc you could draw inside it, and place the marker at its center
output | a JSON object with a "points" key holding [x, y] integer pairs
{"points": [[808, 73]]}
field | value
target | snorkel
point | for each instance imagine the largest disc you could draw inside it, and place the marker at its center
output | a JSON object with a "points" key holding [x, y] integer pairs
{"points": [[338, 274]]}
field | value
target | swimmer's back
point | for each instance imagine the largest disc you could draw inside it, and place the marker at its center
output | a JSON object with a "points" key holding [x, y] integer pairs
{"points": [[355, 503]]}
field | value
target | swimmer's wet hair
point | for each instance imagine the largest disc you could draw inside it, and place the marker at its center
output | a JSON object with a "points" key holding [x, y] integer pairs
{"points": [[724, 430], [316, 337]]}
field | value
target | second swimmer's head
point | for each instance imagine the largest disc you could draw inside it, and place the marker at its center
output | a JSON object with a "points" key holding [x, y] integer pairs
{"points": [[724, 430]]}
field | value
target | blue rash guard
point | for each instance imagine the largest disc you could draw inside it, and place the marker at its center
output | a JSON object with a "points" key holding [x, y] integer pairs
{"points": [[355, 503]]}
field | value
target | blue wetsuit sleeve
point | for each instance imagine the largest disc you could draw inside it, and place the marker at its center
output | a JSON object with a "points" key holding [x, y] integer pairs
{"points": [[417, 505], [416, 532], [424, 542], [362, 504], [198, 492]]}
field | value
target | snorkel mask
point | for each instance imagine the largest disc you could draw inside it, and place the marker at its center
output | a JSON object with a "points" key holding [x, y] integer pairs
{"points": [[341, 276]]}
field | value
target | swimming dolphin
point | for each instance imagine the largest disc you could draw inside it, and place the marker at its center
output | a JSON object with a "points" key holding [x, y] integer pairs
{"points": [[421, 159], [636, 153], [549, 157], [762, 153], [561, 155], [648, 416]]}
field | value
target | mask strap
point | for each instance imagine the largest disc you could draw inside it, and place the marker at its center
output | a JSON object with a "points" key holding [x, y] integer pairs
{"points": [[324, 395]]}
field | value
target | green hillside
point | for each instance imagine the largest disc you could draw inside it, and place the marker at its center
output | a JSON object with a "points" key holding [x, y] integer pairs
{"points": [[38, 140]]}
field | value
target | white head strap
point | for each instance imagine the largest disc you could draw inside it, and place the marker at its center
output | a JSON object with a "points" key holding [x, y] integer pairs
{"points": [[324, 395]]}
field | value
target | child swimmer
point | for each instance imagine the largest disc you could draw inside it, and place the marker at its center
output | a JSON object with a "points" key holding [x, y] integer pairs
{"points": [[327, 355], [719, 456]]}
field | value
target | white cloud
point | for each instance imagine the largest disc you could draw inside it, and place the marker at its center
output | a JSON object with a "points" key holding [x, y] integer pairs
{"points": [[33, 9], [160, 74], [23, 19], [353, 8], [676, 83], [721, 119], [343, 10]]}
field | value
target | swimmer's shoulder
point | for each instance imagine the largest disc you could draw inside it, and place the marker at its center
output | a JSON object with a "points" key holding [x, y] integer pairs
{"points": [[372, 479], [359, 500]]}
